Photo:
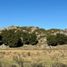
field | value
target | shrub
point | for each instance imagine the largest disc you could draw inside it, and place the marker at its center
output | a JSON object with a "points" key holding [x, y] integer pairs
{"points": [[11, 38], [29, 38], [15, 38], [33, 39], [51, 40], [54, 40], [61, 39], [25, 37]]}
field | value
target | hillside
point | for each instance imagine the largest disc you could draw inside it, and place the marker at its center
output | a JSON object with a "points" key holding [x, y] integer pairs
{"points": [[38, 37], [32, 49]]}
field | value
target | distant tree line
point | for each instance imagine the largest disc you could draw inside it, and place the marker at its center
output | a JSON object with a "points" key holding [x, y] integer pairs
{"points": [[16, 38], [58, 39]]}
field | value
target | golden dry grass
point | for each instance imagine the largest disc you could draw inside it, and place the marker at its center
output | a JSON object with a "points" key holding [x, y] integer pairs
{"points": [[47, 55]]}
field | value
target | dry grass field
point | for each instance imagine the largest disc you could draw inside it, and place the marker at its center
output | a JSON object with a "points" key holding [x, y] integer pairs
{"points": [[30, 58]]}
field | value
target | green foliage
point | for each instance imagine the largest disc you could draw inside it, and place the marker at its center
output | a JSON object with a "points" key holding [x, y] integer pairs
{"points": [[16, 38], [54, 40], [61, 39], [33, 39], [20, 36], [11, 38], [29, 38], [25, 37], [51, 40]]}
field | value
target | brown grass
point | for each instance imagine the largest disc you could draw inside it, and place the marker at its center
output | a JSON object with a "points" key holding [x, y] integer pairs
{"points": [[47, 56]]}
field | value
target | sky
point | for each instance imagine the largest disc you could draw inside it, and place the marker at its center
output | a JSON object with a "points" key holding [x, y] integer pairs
{"points": [[41, 13]]}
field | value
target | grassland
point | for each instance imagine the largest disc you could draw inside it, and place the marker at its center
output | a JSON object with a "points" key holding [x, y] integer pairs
{"points": [[33, 58]]}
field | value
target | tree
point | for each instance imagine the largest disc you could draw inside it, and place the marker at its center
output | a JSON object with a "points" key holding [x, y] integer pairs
{"points": [[61, 39], [51, 40], [29, 38], [16, 38], [11, 38], [25, 36], [33, 39], [58, 39]]}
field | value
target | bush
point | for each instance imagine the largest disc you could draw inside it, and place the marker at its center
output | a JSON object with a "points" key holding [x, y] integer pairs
{"points": [[61, 39], [14, 38], [51, 40], [29, 38], [25, 37], [11, 38], [54, 40], [33, 39]]}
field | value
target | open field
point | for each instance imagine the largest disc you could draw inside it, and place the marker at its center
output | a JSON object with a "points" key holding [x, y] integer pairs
{"points": [[45, 57]]}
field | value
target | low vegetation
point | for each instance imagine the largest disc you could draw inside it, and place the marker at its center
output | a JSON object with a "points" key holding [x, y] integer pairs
{"points": [[14, 38], [33, 58], [58, 39], [19, 36]]}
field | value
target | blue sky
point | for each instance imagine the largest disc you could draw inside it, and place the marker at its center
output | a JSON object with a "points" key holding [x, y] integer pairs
{"points": [[42, 13]]}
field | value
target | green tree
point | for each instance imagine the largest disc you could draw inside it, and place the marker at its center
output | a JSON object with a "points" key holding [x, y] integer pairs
{"points": [[16, 38], [51, 40], [11, 38], [58, 39], [25, 37], [61, 39], [29, 38], [33, 39]]}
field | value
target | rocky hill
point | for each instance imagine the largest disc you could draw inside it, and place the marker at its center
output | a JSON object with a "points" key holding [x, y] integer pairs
{"points": [[30, 53], [40, 33]]}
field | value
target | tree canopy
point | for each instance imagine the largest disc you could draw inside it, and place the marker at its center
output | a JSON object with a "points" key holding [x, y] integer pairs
{"points": [[15, 38], [58, 39]]}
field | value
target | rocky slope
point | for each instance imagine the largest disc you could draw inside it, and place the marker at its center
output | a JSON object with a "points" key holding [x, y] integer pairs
{"points": [[40, 32]]}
